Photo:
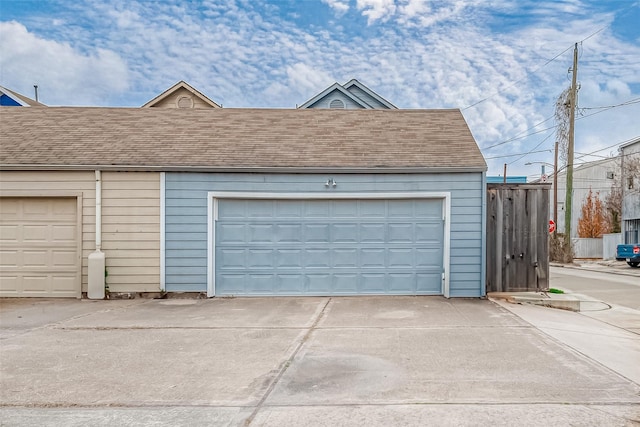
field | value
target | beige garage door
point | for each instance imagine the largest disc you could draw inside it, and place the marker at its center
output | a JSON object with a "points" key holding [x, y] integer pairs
{"points": [[39, 247]]}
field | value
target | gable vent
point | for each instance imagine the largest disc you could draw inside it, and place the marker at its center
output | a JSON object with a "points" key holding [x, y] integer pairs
{"points": [[185, 102], [336, 103]]}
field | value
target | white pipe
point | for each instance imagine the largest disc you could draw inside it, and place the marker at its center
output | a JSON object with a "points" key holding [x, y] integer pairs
{"points": [[98, 210]]}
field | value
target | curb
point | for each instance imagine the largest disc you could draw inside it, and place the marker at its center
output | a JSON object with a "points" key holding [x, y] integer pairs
{"points": [[566, 303], [587, 268]]}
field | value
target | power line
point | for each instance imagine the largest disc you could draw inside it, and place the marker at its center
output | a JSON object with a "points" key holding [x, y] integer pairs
{"points": [[536, 69], [602, 109], [530, 152], [517, 154], [629, 102]]}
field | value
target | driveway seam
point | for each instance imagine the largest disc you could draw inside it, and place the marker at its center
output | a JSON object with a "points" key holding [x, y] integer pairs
{"points": [[287, 363]]}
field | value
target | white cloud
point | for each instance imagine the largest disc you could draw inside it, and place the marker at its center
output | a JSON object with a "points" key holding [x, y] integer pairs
{"points": [[376, 10], [63, 74], [339, 6]]}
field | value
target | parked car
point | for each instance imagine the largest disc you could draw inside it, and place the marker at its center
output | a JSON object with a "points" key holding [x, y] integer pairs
{"points": [[629, 253]]}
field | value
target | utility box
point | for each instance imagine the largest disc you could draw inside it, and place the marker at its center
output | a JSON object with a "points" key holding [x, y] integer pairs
{"points": [[517, 237], [96, 280]]}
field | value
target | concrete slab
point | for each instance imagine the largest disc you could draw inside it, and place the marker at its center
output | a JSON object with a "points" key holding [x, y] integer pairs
{"points": [[612, 346], [454, 365], [449, 415], [210, 313], [308, 361], [18, 315], [101, 417], [414, 312], [52, 367]]}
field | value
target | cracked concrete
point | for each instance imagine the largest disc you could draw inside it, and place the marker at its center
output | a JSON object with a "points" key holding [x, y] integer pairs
{"points": [[296, 361]]}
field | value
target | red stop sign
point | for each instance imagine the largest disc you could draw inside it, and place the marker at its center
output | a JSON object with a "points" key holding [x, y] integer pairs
{"points": [[552, 226]]}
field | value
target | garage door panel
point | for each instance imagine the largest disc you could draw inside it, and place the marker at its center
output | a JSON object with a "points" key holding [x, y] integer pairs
{"points": [[260, 283], [429, 232], [260, 233], [372, 233], [64, 234], [64, 258], [427, 209], [288, 209], [372, 283], [429, 257], [372, 258], [401, 258], [289, 258], [36, 259], [289, 284], [316, 233], [36, 233], [39, 247], [9, 233], [429, 283], [288, 233], [344, 258], [316, 258], [344, 233], [328, 247], [319, 283], [401, 283], [260, 209], [345, 283], [401, 209], [316, 209], [9, 284], [401, 233], [9, 258], [344, 210], [372, 209]]}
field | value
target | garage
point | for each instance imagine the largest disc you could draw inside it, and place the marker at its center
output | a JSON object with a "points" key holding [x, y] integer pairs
{"points": [[39, 247], [328, 246]]}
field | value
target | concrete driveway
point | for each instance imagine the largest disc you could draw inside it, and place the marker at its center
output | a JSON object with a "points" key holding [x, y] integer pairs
{"points": [[295, 361]]}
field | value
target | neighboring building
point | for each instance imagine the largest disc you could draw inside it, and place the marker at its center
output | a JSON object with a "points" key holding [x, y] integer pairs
{"points": [[181, 95], [598, 176], [353, 95], [9, 98], [242, 201], [510, 180], [630, 180]]}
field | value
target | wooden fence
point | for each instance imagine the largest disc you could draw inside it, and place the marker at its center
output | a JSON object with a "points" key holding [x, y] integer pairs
{"points": [[517, 237]]}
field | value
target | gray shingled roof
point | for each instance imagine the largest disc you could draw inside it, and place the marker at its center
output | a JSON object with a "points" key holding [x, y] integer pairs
{"points": [[228, 139]]}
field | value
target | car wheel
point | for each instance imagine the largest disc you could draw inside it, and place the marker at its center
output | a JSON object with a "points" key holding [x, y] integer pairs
{"points": [[633, 264]]}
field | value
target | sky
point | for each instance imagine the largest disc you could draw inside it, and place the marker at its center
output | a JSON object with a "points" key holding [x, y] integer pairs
{"points": [[503, 63]]}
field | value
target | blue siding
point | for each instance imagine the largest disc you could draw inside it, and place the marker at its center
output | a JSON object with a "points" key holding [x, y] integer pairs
{"points": [[6, 101], [359, 93], [186, 216]]}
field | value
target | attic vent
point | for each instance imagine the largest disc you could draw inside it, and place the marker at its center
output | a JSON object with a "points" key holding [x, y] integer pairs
{"points": [[185, 102], [336, 103], [609, 175]]}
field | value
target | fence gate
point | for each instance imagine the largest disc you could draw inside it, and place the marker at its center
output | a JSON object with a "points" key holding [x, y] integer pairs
{"points": [[517, 237]]}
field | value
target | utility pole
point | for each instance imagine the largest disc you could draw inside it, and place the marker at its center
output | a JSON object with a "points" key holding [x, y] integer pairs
{"points": [[555, 190], [572, 118]]}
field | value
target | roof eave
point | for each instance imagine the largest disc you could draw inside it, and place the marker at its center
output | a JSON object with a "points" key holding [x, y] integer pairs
{"points": [[251, 169]]}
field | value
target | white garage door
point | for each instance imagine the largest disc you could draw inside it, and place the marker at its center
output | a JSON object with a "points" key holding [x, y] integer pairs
{"points": [[329, 247], [39, 247]]}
